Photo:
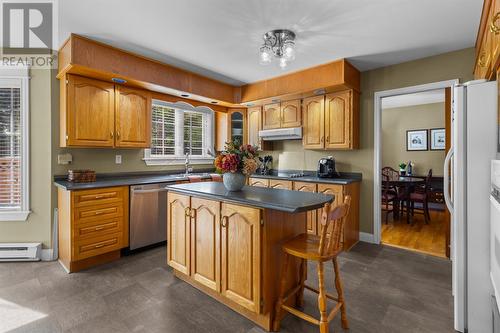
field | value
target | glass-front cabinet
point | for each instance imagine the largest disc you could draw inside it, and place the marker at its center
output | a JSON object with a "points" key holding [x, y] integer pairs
{"points": [[237, 125]]}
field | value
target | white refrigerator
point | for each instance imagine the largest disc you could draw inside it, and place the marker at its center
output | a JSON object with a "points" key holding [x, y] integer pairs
{"points": [[467, 178]]}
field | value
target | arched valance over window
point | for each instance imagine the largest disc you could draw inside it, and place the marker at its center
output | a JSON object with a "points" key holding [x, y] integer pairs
{"points": [[178, 129]]}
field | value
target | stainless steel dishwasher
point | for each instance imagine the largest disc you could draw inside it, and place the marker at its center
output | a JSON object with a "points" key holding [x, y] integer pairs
{"points": [[148, 215]]}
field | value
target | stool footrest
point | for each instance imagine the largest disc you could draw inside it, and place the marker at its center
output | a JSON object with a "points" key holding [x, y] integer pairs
{"points": [[330, 296], [301, 314]]}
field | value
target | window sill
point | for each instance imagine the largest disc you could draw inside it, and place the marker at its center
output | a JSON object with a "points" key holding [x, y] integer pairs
{"points": [[152, 161], [10, 216]]}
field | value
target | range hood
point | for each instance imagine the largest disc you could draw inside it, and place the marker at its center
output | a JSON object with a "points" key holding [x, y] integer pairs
{"points": [[294, 133]]}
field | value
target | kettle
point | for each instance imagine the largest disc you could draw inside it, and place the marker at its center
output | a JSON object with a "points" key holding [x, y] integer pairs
{"points": [[326, 167]]}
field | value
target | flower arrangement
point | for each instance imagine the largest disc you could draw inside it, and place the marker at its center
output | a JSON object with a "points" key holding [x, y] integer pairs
{"points": [[237, 158]]}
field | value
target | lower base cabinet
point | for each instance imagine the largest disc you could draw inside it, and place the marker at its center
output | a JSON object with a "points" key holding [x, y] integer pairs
{"points": [[218, 245], [93, 226]]}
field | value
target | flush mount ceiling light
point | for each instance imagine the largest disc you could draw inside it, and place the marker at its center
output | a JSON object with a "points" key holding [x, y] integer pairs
{"points": [[279, 44]]}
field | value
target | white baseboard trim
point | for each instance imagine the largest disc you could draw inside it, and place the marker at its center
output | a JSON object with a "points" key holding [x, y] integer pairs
{"points": [[366, 237], [46, 255]]}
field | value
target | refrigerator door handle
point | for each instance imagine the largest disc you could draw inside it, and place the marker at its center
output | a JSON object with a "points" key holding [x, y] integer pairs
{"points": [[446, 183]]}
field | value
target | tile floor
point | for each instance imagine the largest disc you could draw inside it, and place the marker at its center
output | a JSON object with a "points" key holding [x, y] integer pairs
{"points": [[387, 290]]}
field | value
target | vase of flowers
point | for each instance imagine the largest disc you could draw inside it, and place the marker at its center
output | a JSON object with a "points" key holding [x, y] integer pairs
{"points": [[236, 163], [402, 168]]}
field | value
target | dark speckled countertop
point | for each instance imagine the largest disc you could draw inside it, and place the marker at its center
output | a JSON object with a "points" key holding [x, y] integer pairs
{"points": [[260, 197], [343, 178], [141, 178]]}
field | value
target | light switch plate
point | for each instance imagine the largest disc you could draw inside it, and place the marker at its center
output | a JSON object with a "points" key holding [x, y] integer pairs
{"points": [[118, 159], [64, 159]]}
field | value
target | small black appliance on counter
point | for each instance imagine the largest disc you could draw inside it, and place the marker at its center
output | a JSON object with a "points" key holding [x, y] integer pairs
{"points": [[326, 167]]}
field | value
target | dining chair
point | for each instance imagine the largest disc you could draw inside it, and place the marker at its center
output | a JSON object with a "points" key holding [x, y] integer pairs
{"points": [[389, 198], [421, 195], [321, 249]]}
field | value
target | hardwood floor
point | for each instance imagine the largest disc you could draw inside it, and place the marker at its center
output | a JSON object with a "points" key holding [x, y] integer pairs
{"points": [[425, 238], [387, 290]]}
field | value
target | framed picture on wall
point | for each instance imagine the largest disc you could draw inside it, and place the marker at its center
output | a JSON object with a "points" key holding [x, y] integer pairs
{"points": [[438, 139], [416, 140]]}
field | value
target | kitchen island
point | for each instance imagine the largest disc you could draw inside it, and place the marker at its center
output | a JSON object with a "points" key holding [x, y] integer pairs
{"points": [[228, 244]]}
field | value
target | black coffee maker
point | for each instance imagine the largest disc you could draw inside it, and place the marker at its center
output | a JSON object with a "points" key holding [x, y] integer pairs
{"points": [[326, 167]]}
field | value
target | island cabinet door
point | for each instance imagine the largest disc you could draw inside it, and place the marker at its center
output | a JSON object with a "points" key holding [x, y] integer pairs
{"points": [[280, 184], [205, 240], [311, 215], [241, 255], [335, 190], [178, 232]]}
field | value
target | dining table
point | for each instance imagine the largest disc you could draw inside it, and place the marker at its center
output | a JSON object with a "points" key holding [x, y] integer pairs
{"points": [[407, 183]]}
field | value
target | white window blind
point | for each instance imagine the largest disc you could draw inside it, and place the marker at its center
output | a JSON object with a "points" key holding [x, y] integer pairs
{"points": [[179, 129], [163, 130], [14, 143], [193, 133], [10, 148]]}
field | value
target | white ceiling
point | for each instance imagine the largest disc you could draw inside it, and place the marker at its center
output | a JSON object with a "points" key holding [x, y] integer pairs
{"points": [[426, 97], [221, 38]]}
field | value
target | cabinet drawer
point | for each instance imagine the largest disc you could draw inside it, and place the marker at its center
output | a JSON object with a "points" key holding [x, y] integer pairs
{"points": [[280, 184], [98, 228], [98, 245], [99, 196], [98, 213], [260, 182]]}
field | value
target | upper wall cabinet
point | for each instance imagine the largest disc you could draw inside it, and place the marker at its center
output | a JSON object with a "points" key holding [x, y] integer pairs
{"points": [[254, 125], [282, 115], [237, 120], [331, 121], [488, 41], [99, 114], [133, 117]]}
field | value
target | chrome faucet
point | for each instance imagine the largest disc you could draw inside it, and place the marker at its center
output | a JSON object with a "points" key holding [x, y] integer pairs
{"points": [[189, 169]]}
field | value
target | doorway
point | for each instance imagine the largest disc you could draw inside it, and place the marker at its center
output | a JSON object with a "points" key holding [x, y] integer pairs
{"points": [[413, 149]]}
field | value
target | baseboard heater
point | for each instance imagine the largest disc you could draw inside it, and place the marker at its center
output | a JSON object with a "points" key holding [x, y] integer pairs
{"points": [[20, 251]]}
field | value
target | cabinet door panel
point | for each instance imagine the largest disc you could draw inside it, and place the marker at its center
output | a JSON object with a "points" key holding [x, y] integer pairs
{"points": [[280, 184], [133, 118], [338, 120], [335, 190], [254, 126], [90, 112], [311, 215], [241, 255], [178, 231], [291, 115], [260, 182], [314, 126], [205, 240], [271, 116]]}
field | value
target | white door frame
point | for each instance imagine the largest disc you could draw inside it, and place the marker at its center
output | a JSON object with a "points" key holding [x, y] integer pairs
{"points": [[377, 200]]}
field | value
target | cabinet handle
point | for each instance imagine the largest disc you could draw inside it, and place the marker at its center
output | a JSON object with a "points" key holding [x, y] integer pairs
{"points": [[493, 26], [99, 228], [482, 59], [322, 139], [118, 135], [327, 138], [192, 213], [223, 221], [186, 212], [99, 245], [99, 212], [111, 135]]}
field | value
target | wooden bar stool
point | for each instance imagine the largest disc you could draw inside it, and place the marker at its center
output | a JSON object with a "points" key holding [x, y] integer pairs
{"points": [[320, 249]]}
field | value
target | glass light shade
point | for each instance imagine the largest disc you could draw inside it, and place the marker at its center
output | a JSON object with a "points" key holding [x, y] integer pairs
{"points": [[289, 51], [283, 63], [265, 55]]}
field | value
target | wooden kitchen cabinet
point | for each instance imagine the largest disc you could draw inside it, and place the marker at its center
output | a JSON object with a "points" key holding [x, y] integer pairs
{"points": [[258, 182], [178, 232], [205, 242], [221, 130], [241, 255], [254, 125], [311, 215], [271, 115], [237, 124], [87, 112], [331, 121], [95, 113], [290, 114], [313, 136], [133, 118], [280, 184], [93, 226], [488, 41]]}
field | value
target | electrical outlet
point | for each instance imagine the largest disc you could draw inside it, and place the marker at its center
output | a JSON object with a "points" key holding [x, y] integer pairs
{"points": [[118, 159], [64, 159]]}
